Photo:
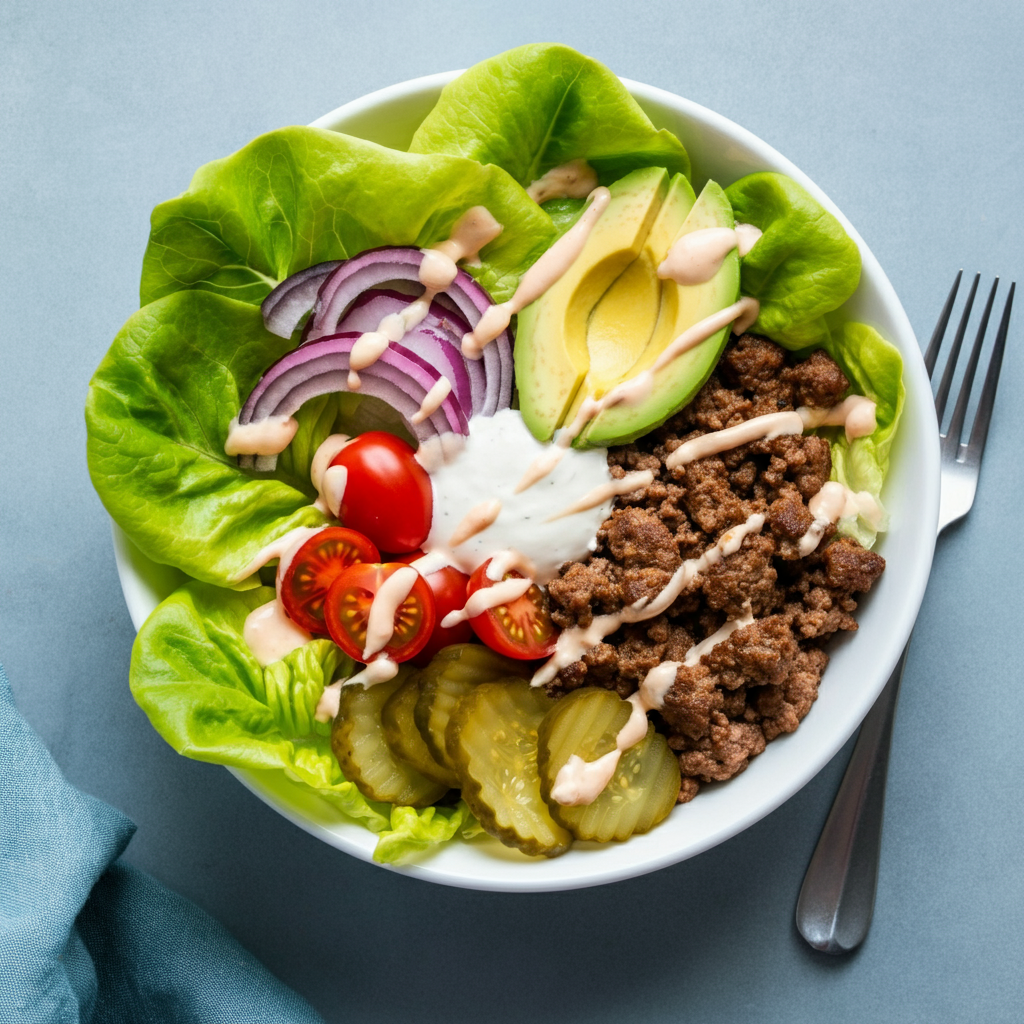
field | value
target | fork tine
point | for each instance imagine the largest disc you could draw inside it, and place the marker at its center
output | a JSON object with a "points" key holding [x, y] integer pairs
{"points": [[956, 424], [940, 328], [979, 432], [947, 374]]}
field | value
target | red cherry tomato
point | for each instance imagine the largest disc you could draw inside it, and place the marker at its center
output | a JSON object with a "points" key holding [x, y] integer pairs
{"points": [[347, 612], [314, 567], [388, 495], [520, 629], [448, 586]]}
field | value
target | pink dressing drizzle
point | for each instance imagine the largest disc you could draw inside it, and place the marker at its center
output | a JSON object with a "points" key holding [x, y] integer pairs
{"points": [[575, 642], [472, 231], [580, 782], [270, 634], [613, 489], [574, 180], [775, 424], [855, 414], [539, 278], [476, 520], [490, 597], [380, 626], [266, 437], [697, 256]]}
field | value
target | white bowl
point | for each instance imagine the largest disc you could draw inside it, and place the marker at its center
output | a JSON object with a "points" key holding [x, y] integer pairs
{"points": [[860, 664]]}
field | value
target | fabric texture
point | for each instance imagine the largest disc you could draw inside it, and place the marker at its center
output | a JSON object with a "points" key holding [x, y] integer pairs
{"points": [[88, 939]]}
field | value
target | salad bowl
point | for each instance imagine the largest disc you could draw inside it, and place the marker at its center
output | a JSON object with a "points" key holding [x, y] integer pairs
{"points": [[860, 663]]}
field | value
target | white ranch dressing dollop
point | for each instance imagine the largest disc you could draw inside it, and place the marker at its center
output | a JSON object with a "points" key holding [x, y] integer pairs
{"points": [[493, 459]]}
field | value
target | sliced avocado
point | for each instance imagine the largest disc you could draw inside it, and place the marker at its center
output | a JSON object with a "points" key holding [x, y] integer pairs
{"points": [[551, 354], [681, 307], [623, 322]]}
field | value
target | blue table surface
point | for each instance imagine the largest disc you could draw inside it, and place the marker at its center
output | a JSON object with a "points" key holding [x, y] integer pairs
{"points": [[910, 116]]}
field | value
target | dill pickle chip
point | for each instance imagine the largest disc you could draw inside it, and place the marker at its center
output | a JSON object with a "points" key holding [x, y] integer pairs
{"points": [[359, 744], [398, 718], [452, 673], [644, 785], [492, 738]]}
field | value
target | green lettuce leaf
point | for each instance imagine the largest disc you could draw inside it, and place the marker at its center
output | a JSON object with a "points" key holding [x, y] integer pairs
{"points": [[803, 266], [875, 369], [413, 831], [195, 677], [298, 196], [542, 105], [157, 414], [205, 693]]}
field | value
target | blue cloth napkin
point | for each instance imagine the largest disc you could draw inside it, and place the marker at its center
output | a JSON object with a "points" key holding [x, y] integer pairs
{"points": [[88, 939]]}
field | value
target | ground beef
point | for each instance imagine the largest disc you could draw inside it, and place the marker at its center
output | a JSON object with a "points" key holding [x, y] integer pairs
{"points": [[762, 680]]}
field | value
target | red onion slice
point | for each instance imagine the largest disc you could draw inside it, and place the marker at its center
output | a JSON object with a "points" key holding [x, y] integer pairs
{"points": [[378, 267], [399, 377], [433, 339], [285, 306]]}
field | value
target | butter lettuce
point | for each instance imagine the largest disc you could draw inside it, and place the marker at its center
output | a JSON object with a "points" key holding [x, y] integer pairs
{"points": [[299, 196], [803, 266], [207, 696], [541, 105], [157, 415], [875, 369]]}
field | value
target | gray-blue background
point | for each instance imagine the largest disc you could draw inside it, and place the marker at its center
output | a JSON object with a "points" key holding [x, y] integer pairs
{"points": [[909, 114]]}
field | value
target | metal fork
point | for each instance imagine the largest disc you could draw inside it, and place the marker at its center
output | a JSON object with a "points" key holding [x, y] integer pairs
{"points": [[837, 899]]}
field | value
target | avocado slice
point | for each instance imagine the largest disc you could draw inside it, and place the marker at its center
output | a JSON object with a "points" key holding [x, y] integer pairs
{"points": [[551, 353], [624, 320], [681, 307]]}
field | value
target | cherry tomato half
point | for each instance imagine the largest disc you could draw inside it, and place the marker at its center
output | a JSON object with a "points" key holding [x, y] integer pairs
{"points": [[520, 629], [347, 612], [448, 586], [314, 567], [388, 495]]}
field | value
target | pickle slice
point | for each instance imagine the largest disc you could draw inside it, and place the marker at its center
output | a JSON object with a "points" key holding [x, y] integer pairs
{"points": [[398, 718], [492, 738], [644, 786], [359, 744], [452, 673]]}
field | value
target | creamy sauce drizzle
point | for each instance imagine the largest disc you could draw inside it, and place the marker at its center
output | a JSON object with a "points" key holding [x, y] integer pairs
{"points": [[855, 414], [507, 560], [613, 489], [836, 501], [438, 450], [433, 561], [324, 456], [490, 597], [574, 180], [379, 671], [335, 481], [380, 624], [539, 278], [775, 424], [438, 269], [291, 541], [580, 782], [266, 437], [740, 314], [476, 520], [697, 256], [270, 634], [697, 651], [432, 400], [575, 642]]}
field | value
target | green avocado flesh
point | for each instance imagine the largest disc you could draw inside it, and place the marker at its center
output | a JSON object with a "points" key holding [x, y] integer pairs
{"points": [[610, 316]]}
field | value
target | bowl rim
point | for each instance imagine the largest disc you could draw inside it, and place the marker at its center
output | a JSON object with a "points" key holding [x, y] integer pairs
{"points": [[467, 864]]}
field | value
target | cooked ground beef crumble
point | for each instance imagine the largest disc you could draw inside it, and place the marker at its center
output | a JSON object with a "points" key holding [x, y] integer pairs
{"points": [[763, 679]]}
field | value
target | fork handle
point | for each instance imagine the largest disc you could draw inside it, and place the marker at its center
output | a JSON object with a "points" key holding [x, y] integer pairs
{"points": [[837, 899]]}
